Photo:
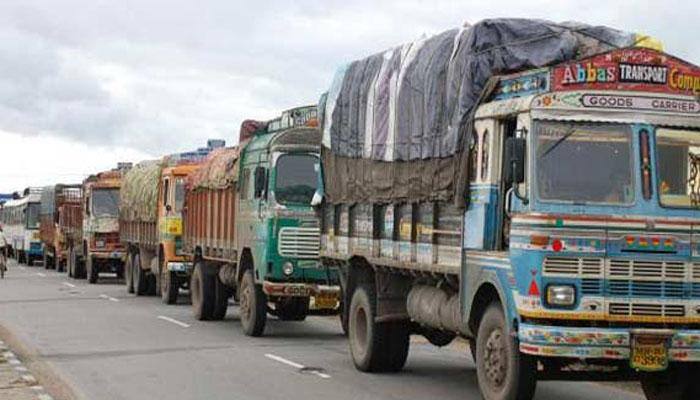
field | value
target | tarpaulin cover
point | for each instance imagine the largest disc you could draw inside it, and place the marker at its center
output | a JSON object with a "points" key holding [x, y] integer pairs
{"points": [[138, 200], [395, 122], [218, 171], [48, 200]]}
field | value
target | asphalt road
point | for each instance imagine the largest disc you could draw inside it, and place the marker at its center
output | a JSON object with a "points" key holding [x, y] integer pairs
{"points": [[98, 342]]}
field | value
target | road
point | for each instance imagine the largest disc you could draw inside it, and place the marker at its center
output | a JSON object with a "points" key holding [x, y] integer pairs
{"points": [[98, 342]]}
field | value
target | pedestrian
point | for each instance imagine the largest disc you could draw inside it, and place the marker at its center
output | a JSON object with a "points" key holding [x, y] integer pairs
{"points": [[3, 254]]}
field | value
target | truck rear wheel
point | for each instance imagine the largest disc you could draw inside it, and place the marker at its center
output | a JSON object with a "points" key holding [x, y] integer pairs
{"points": [[92, 273], [375, 346], [253, 306], [170, 287], [502, 371], [292, 308], [129, 272], [203, 292], [139, 276], [69, 262], [59, 265], [46, 260]]}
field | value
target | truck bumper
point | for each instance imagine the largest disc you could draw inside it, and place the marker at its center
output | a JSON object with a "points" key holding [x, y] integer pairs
{"points": [[184, 267], [109, 255], [605, 343], [326, 296]]}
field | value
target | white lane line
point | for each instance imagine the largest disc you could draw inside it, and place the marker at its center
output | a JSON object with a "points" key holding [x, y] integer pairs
{"points": [[174, 321], [68, 284], [295, 365], [110, 298], [41, 274]]}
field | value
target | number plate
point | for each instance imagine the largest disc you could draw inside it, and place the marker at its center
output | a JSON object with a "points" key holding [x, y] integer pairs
{"points": [[326, 301], [649, 353]]}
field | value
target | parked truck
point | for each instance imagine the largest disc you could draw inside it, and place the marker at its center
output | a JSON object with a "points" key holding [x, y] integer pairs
{"points": [[250, 228], [21, 226], [54, 202], [530, 187], [98, 247], [150, 218]]}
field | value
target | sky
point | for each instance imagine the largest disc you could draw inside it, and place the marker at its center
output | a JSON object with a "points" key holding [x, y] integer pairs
{"points": [[86, 84]]}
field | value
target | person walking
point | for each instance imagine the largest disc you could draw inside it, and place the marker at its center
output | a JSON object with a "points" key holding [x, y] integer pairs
{"points": [[3, 254]]}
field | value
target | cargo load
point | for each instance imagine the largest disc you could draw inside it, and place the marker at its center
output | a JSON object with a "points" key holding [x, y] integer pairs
{"points": [[395, 123], [139, 192], [219, 170]]}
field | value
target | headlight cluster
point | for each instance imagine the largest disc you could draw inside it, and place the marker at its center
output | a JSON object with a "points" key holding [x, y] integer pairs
{"points": [[288, 268], [561, 295]]}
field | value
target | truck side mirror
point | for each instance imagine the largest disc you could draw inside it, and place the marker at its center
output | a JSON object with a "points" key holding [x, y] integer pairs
{"points": [[514, 173], [260, 181], [515, 160]]}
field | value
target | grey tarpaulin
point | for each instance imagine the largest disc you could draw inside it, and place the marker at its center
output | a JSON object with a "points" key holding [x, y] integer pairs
{"points": [[395, 123]]}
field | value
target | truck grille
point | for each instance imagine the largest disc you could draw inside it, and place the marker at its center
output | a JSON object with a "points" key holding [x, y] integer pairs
{"points": [[574, 267], [299, 242], [646, 310], [639, 269]]}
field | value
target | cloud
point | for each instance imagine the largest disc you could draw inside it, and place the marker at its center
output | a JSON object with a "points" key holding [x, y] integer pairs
{"points": [[163, 76]]}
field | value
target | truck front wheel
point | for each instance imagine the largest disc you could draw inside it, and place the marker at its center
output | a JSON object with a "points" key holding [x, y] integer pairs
{"points": [[673, 384], [502, 371], [139, 276], [91, 268], [203, 292], [253, 306], [129, 272], [375, 346], [170, 287]]}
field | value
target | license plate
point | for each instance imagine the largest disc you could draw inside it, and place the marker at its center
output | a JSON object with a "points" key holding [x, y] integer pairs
{"points": [[326, 301], [177, 267], [649, 353]]}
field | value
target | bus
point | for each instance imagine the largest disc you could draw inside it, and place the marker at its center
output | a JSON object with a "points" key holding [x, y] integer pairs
{"points": [[20, 221]]}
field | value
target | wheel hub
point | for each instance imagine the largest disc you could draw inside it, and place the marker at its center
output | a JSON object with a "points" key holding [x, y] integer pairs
{"points": [[245, 303], [495, 364]]}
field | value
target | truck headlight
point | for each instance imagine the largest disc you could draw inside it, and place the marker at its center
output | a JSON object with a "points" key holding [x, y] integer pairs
{"points": [[288, 268], [561, 295]]}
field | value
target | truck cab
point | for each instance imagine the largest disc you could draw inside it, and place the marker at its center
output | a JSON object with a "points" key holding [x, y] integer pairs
{"points": [[102, 249], [280, 176]]}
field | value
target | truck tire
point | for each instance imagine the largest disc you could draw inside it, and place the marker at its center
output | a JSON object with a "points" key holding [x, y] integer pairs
{"points": [[673, 384], [170, 287], [139, 276], [292, 308], [59, 266], [129, 272], [253, 306], [203, 292], [222, 294], [69, 262], [503, 373], [375, 346], [92, 273], [343, 317], [46, 260]]}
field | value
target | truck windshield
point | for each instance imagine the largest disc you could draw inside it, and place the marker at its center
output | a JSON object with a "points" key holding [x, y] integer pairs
{"points": [[105, 202], [584, 163], [678, 154], [296, 178], [33, 215], [179, 194]]}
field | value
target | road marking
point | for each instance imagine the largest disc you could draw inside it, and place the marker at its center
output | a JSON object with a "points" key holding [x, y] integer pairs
{"points": [[104, 296], [295, 365], [174, 321], [22, 268], [41, 274], [68, 284]]}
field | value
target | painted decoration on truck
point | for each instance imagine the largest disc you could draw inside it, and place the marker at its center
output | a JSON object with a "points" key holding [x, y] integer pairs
{"points": [[521, 85], [631, 69]]}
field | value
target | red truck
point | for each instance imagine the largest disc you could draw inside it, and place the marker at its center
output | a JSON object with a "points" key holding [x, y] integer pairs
{"points": [[55, 203]]}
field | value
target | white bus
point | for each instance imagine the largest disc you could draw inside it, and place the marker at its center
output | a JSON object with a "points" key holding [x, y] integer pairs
{"points": [[20, 221]]}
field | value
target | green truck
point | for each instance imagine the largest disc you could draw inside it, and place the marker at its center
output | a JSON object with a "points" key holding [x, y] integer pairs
{"points": [[250, 228]]}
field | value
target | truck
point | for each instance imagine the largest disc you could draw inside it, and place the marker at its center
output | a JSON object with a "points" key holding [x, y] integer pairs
{"points": [[251, 231], [537, 198], [20, 222], [54, 202], [150, 219], [97, 246]]}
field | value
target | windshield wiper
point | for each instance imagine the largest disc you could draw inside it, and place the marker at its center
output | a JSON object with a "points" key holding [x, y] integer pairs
{"points": [[561, 140]]}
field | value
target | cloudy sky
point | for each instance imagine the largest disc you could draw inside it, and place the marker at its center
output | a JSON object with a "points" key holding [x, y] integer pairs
{"points": [[84, 84]]}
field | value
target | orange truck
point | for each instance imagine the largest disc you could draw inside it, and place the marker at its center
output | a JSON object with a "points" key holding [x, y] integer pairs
{"points": [[150, 219], [94, 245]]}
